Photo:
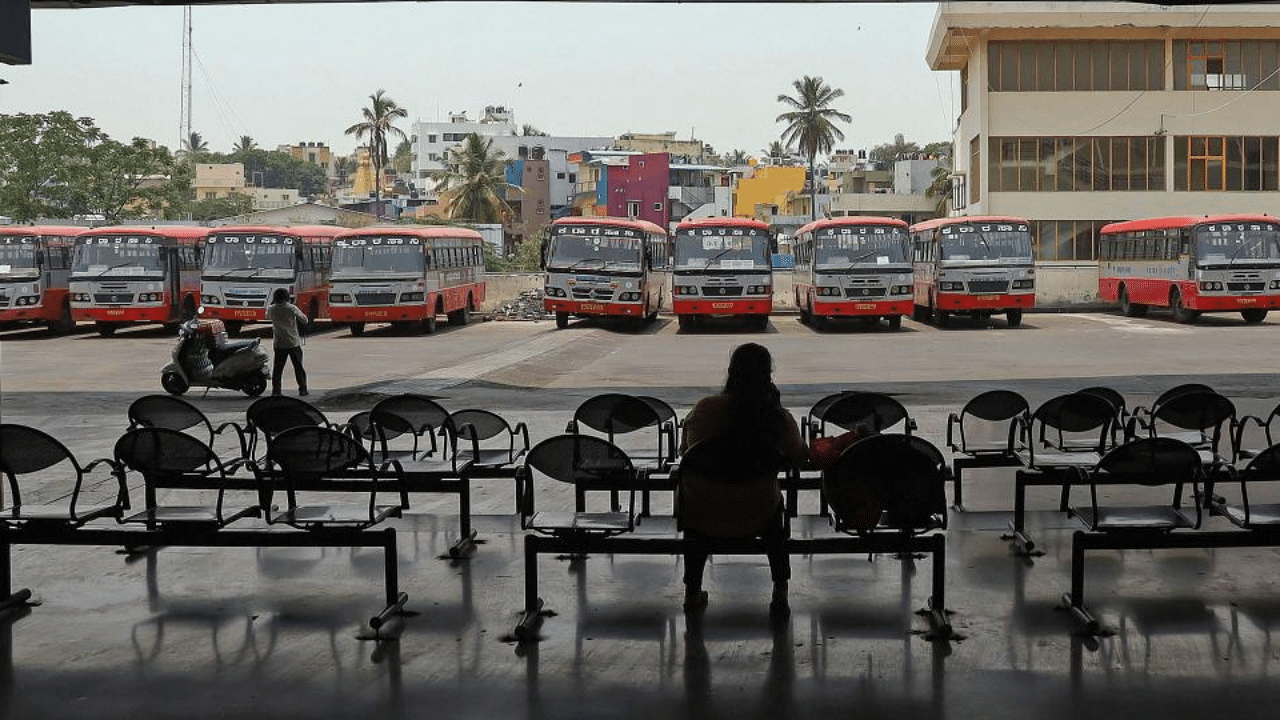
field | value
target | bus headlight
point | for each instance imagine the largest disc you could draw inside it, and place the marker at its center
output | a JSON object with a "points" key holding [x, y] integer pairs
{"points": [[829, 292], [1211, 285], [686, 290], [1023, 284], [554, 291], [759, 290], [629, 297], [411, 297], [951, 286], [1275, 284], [339, 298], [29, 300], [150, 297], [80, 297], [210, 300], [900, 290]]}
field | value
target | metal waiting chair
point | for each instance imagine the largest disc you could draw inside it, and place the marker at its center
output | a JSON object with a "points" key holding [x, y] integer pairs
{"points": [[1163, 466], [979, 434], [586, 464], [30, 459], [1197, 417], [187, 469], [889, 483], [269, 416], [1246, 513], [877, 412], [616, 414], [168, 411], [409, 417]]}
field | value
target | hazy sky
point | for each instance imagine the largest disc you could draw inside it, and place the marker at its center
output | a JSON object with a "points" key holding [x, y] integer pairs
{"points": [[294, 72]]}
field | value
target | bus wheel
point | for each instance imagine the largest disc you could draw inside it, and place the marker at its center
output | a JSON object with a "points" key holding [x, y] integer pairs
{"points": [[562, 320], [105, 329], [940, 316], [1128, 307], [1180, 312], [357, 329], [429, 324], [759, 323], [173, 383], [1014, 316], [806, 317], [64, 325], [233, 327], [686, 322], [895, 322], [1254, 315], [313, 312], [460, 317]]}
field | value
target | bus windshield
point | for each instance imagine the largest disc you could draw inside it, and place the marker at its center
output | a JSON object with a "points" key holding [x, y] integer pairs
{"points": [[107, 256], [594, 252], [844, 247], [1003, 242], [17, 256], [362, 256], [735, 249], [235, 255], [1237, 242]]}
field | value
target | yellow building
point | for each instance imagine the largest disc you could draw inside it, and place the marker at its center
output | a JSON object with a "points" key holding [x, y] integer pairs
{"points": [[362, 181], [213, 181], [780, 187], [316, 153]]}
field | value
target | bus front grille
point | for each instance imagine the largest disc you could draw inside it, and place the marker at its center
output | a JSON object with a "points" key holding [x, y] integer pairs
{"points": [[857, 292], [234, 302], [1246, 286], [590, 294], [381, 298], [113, 298], [988, 286], [722, 291], [4, 301]]}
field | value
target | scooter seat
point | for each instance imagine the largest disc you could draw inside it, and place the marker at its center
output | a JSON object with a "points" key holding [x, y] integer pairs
{"points": [[235, 345]]}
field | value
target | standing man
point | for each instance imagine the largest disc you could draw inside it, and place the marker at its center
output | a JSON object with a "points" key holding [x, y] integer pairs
{"points": [[286, 339]]}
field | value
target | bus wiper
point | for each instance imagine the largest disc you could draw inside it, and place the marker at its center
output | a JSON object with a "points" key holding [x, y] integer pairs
{"points": [[583, 260], [714, 258], [983, 239], [1239, 249], [108, 269]]}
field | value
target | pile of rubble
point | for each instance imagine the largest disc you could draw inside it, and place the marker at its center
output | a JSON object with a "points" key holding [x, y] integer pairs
{"points": [[527, 307]]}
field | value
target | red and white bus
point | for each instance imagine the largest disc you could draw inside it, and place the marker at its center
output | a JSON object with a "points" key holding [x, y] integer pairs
{"points": [[122, 275], [406, 275], [978, 266], [35, 262], [1210, 263], [853, 267], [604, 267], [245, 265], [722, 267]]}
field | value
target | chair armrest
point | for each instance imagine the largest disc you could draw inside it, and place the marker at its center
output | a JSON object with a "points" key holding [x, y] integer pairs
{"points": [[475, 443], [523, 431], [911, 425], [572, 427], [952, 421]]}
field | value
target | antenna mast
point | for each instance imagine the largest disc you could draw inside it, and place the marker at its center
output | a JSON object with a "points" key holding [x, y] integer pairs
{"points": [[184, 119]]}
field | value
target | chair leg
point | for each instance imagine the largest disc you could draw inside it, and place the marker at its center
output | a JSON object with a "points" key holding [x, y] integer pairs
{"points": [[391, 569], [531, 618]]}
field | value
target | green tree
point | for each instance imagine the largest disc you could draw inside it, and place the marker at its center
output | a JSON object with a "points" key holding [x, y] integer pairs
{"points": [[276, 169], [474, 186], [40, 157], [529, 130], [734, 158], [940, 185], [528, 255], [402, 161], [811, 125], [121, 180], [195, 145], [344, 168], [378, 123], [215, 208], [244, 145], [889, 152]]}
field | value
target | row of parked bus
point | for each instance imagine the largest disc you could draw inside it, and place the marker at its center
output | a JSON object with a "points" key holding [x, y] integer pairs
{"points": [[114, 276], [879, 268]]}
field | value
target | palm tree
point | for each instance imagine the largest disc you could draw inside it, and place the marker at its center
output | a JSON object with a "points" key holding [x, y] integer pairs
{"points": [[344, 167], [245, 144], [474, 187], [940, 187], [889, 152], [377, 124], [735, 158], [776, 152], [194, 144], [811, 125]]}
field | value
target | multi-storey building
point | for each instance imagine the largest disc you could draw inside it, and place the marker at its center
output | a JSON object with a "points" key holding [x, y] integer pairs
{"points": [[1077, 114]]}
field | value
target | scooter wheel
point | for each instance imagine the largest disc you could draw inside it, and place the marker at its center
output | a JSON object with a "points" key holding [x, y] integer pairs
{"points": [[175, 385], [255, 387]]}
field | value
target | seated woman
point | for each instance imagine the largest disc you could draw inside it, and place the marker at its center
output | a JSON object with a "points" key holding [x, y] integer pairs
{"points": [[749, 414]]}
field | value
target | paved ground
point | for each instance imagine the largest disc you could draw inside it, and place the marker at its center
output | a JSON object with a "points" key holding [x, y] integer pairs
{"points": [[197, 633]]}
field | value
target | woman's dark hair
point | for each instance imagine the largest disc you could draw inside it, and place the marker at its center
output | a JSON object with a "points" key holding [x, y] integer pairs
{"points": [[754, 401], [281, 296]]}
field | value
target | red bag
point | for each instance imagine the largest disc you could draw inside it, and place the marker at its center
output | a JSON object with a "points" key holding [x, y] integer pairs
{"points": [[824, 451]]}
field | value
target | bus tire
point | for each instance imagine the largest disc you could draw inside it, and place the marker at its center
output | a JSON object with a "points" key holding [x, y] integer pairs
{"points": [[1013, 316], [940, 317], [428, 324], [562, 320], [64, 325], [233, 327], [759, 323], [460, 317], [895, 322], [1181, 313], [1253, 316], [806, 317], [1128, 307], [685, 322], [356, 328], [313, 312], [173, 383], [104, 328]]}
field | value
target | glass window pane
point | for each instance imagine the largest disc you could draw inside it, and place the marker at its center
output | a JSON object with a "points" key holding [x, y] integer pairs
{"points": [[1213, 172], [1179, 64], [1028, 163], [1064, 251], [1047, 241], [1270, 169], [1119, 68], [1155, 65], [1268, 63], [1252, 163], [1083, 61], [1026, 66], [1181, 166], [1235, 163], [1101, 66], [1048, 164], [1155, 164], [1101, 164], [1249, 62], [1136, 65], [1119, 163], [1008, 179], [1064, 68]]}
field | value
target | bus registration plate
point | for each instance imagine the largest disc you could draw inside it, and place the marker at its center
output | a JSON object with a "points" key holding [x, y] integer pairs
{"points": [[591, 306], [864, 306], [986, 297], [721, 306]]}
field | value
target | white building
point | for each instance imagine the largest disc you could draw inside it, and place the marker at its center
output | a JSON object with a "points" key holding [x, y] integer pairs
{"points": [[433, 140], [1077, 114]]}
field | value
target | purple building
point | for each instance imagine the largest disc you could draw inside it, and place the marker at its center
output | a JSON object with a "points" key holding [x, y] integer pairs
{"points": [[639, 189]]}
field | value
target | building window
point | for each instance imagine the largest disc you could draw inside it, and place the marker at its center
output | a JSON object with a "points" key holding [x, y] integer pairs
{"points": [[975, 168], [657, 207], [1073, 65], [1226, 65], [1075, 164], [633, 208], [1213, 163], [431, 139], [1066, 239], [573, 177], [964, 88]]}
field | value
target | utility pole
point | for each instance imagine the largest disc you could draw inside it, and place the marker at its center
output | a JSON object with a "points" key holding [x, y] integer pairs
{"points": [[184, 118]]}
